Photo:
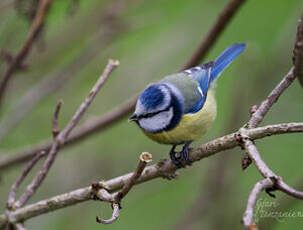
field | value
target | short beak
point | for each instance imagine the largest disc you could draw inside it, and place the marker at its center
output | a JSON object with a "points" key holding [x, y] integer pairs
{"points": [[134, 117]]}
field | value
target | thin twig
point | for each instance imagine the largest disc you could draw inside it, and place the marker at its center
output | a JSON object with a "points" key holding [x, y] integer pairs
{"points": [[276, 182], [248, 218], [254, 155], [144, 159], [115, 215], [262, 110], [109, 31], [89, 128], [55, 129], [281, 185], [298, 52], [15, 186], [214, 33], [158, 170], [284, 204], [258, 113], [36, 26], [265, 171], [112, 64], [271, 180], [61, 138]]}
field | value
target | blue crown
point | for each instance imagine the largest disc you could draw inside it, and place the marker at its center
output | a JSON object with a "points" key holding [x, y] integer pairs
{"points": [[152, 97]]}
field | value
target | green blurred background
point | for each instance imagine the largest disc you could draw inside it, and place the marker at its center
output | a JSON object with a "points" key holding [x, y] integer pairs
{"points": [[152, 39]]}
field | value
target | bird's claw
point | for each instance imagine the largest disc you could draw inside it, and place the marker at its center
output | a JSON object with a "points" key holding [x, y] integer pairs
{"points": [[185, 155], [177, 160]]}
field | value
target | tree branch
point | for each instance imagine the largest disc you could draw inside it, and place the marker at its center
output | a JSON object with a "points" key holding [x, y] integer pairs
{"points": [[298, 52], [284, 204], [55, 130], [161, 169], [248, 218], [61, 138], [144, 159], [115, 215], [109, 30], [16, 185], [36, 26], [259, 114], [89, 128], [271, 181]]}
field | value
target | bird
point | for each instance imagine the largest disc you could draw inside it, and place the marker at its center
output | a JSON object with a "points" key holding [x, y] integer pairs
{"points": [[181, 107]]}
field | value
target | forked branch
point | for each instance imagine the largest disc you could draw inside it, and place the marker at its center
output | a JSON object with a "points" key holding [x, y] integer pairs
{"points": [[272, 181], [116, 203], [159, 170]]}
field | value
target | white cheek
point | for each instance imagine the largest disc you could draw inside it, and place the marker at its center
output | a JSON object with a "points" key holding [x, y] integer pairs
{"points": [[158, 122]]}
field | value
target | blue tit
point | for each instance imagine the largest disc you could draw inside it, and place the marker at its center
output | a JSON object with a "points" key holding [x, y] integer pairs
{"points": [[181, 107]]}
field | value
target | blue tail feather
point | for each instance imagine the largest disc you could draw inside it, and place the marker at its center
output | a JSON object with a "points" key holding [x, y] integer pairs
{"points": [[224, 60]]}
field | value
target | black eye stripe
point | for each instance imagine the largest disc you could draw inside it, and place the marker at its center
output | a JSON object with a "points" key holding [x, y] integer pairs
{"points": [[148, 115]]}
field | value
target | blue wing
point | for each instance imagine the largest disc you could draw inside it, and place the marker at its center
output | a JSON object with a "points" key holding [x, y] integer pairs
{"points": [[202, 74]]}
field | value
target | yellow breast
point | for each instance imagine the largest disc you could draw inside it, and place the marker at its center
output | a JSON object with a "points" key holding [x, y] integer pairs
{"points": [[191, 126]]}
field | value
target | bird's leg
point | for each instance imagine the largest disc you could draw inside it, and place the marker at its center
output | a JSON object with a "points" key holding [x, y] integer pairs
{"points": [[184, 153], [173, 157]]}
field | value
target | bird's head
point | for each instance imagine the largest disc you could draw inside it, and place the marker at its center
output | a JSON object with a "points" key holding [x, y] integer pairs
{"points": [[158, 108]]}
